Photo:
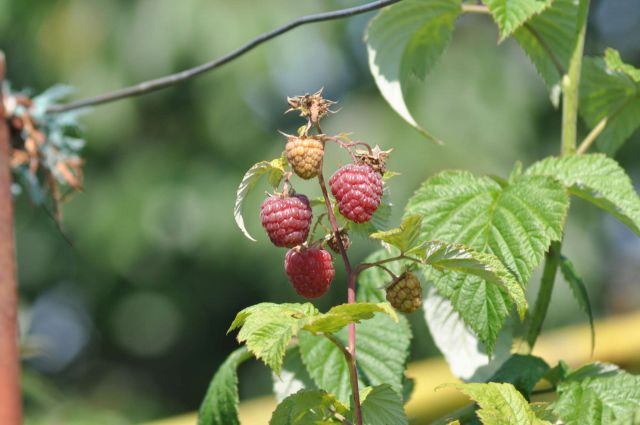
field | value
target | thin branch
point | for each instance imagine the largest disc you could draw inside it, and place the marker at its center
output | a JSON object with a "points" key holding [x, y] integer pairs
{"points": [[592, 136], [170, 80], [544, 391], [338, 344], [475, 8]]}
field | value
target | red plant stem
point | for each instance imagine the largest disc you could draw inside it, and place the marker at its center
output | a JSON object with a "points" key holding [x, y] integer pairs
{"points": [[10, 403], [351, 299]]}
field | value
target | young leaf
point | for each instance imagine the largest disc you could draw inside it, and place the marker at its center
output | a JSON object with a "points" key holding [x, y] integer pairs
{"points": [[500, 404], [597, 179], [511, 14], [220, 404], [515, 221], [267, 329], [273, 169], [404, 237], [408, 38], [308, 407], [340, 316], [382, 405], [549, 39], [383, 346], [599, 395], [459, 258], [466, 355], [610, 90], [579, 293], [522, 371]]}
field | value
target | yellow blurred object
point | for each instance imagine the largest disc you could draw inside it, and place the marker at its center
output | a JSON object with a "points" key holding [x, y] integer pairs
{"points": [[614, 343]]}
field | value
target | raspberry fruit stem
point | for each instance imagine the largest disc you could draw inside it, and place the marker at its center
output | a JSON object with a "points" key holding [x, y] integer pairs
{"points": [[351, 299]]}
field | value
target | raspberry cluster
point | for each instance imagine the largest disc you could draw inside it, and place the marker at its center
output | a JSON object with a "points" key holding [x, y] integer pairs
{"points": [[405, 293], [287, 217]]}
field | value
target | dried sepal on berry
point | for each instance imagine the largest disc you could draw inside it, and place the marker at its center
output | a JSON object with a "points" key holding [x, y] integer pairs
{"points": [[405, 293], [375, 158], [305, 154], [332, 241], [311, 106]]}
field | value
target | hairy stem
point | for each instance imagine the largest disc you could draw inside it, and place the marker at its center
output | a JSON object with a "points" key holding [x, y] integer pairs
{"points": [[351, 299], [544, 294], [10, 403], [570, 92], [170, 80], [571, 84]]}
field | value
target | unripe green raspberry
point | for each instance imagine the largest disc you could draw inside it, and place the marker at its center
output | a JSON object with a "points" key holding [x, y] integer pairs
{"points": [[405, 293]]}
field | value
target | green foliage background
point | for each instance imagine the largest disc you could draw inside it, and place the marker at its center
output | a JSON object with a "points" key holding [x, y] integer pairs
{"points": [[128, 322]]}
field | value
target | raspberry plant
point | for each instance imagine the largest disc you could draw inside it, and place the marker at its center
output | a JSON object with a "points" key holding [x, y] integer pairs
{"points": [[468, 243], [463, 253]]}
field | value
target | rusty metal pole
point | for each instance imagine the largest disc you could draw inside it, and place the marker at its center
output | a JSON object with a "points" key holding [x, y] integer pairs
{"points": [[10, 395]]}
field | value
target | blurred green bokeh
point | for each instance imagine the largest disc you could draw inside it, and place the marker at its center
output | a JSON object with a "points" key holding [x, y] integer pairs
{"points": [[127, 322]]}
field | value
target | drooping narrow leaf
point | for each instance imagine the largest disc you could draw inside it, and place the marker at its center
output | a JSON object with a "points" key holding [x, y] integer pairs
{"points": [[500, 404], [597, 179], [308, 407], [340, 316], [274, 170], [220, 404], [599, 395], [515, 221], [408, 38], [548, 39], [579, 291], [610, 89], [511, 14]]}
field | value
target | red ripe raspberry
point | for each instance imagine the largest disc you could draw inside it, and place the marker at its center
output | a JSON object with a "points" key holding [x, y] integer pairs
{"points": [[286, 219], [358, 190], [310, 271]]}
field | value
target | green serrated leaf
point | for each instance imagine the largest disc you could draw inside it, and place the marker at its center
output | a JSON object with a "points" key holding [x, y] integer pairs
{"points": [[579, 291], [459, 258], [404, 237], [220, 404], [599, 395], [267, 329], [340, 316], [500, 404], [382, 405], [610, 91], [597, 179], [522, 371], [408, 38], [273, 169], [511, 14], [383, 347], [614, 62], [308, 407], [515, 222], [549, 39]]}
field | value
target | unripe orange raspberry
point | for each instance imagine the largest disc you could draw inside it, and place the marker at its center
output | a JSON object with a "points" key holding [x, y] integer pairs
{"points": [[305, 155], [405, 293]]}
